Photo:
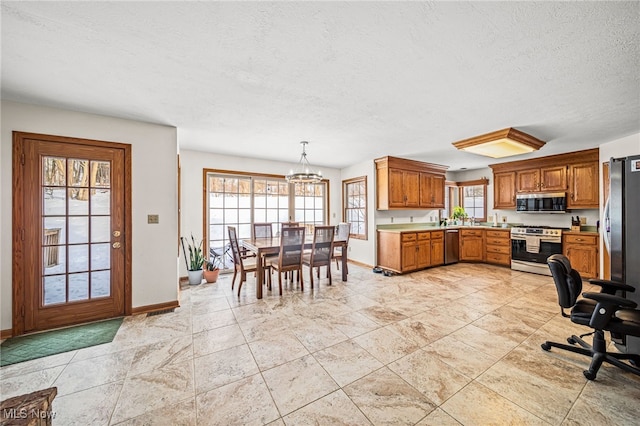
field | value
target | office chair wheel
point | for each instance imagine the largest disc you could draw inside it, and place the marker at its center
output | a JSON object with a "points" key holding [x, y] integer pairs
{"points": [[546, 346], [571, 340], [589, 375]]}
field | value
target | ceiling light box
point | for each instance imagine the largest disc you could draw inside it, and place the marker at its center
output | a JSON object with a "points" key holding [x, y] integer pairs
{"points": [[503, 143]]}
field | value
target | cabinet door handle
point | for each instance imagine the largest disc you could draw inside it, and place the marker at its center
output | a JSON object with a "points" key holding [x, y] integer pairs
{"points": [[579, 239]]}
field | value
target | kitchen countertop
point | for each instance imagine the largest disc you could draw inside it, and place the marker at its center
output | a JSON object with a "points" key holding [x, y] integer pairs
{"points": [[425, 227]]}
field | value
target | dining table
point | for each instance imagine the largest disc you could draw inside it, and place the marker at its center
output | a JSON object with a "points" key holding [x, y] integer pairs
{"points": [[270, 246]]}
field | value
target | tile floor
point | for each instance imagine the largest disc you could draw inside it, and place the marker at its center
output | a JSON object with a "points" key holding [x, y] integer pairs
{"points": [[453, 345]]}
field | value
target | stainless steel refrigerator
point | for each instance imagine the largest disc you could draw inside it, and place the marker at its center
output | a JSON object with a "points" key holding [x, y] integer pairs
{"points": [[622, 227]]}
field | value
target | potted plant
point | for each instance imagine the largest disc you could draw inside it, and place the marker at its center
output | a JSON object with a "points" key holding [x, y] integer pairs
{"points": [[196, 260], [211, 270], [459, 215]]}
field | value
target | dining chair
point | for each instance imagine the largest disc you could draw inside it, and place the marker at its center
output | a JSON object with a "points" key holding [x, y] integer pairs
{"points": [[321, 251], [343, 233], [284, 225], [241, 264], [263, 230], [290, 256]]}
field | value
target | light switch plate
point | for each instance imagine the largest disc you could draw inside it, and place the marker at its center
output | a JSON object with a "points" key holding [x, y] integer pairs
{"points": [[153, 218]]}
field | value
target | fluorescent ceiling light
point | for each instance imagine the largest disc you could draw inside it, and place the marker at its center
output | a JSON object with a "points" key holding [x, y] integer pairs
{"points": [[503, 143]]}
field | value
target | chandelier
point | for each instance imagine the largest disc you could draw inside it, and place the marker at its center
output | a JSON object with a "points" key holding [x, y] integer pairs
{"points": [[304, 173]]}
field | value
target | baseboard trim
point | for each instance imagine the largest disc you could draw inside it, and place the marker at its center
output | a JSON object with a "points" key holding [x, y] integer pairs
{"points": [[5, 334], [364, 265], [157, 307]]}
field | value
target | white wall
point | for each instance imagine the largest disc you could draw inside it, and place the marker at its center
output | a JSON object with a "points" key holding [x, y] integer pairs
{"points": [[154, 191], [192, 164]]}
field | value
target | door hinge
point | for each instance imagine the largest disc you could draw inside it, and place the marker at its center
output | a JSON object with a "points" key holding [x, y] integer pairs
{"points": [[22, 159], [22, 311], [21, 234]]}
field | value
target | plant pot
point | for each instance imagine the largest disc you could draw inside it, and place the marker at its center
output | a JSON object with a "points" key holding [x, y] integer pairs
{"points": [[211, 276], [195, 277]]}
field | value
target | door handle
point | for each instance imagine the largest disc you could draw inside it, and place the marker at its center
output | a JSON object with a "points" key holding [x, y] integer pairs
{"points": [[116, 245], [116, 233]]}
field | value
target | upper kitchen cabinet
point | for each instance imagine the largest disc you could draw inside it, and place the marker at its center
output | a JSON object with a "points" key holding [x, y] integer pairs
{"points": [[409, 184], [542, 179], [432, 191], [504, 190], [575, 173], [583, 186]]}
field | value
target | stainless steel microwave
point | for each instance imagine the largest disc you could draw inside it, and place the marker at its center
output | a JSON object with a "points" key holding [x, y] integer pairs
{"points": [[549, 202]]}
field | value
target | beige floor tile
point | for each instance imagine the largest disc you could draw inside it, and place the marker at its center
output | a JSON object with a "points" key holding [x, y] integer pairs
{"points": [[386, 345], [434, 378], [157, 355], [278, 349], [245, 402], [319, 335], [104, 369], [477, 405], [217, 339], [416, 331], [347, 362], [148, 392], [460, 356], [298, 383], [333, 409], [438, 418], [441, 320], [29, 382], [387, 399], [382, 315], [211, 320], [223, 367], [181, 414], [34, 365], [490, 343], [93, 406], [353, 324]]}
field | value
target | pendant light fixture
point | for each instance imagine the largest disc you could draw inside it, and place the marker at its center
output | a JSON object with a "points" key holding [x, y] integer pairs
{"points": [[304, 172]]}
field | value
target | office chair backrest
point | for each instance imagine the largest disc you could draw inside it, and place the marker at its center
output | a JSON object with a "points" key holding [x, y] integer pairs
{"points": [[567, 280]]}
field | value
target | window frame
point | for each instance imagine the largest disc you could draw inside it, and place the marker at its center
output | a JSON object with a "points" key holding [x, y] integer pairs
{"points": [[459, 188], [345, 208]]}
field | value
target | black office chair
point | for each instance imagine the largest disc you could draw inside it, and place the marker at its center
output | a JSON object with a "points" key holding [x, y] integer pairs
{"points": [[601, 311]]}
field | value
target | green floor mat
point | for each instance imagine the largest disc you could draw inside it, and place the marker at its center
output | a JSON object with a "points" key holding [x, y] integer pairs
{"points": [[25, 348]]}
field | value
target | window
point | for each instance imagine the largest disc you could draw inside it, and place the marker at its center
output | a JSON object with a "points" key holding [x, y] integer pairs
{"points": [[472, 195], [354, 193], [241, 199]]}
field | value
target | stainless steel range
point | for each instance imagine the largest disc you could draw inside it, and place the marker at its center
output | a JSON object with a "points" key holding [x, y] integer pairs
{"points": [[532, 245]]}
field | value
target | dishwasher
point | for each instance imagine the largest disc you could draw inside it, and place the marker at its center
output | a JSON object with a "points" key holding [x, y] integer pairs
{"points": [[451, 246]]}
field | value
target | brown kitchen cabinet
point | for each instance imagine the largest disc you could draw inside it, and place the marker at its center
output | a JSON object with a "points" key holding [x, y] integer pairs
{"points": [[437, 248], [575, 173], [471, 245], [582, 251], [553, 178], [504, 190], [432, 190], [583, 186], [498, 247], [409, 251], [408, 184]]}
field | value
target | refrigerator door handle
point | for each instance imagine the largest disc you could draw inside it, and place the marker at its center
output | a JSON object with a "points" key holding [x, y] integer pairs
{"points": [[607, 225]]}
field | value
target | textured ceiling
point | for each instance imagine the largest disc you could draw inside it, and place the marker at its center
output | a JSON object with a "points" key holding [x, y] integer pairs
{"points": [[358, 80]]}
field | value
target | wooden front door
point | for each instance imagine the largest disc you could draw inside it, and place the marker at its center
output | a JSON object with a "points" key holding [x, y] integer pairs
{"points": [[71, 231]]}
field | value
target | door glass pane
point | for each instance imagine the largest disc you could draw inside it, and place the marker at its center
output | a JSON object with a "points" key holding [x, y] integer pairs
{"points": [[54, 289], [78, 173], [57, 225], [54, 201], [78, 287], [78, 229], [54, 171], [100, 256], [54, 260], [100, 174], [78, 258], [100, 284], [77, 205], [101, 201], [100, 229]]}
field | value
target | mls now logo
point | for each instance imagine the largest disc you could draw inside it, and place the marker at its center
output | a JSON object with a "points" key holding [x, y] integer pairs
{"points": [[23, 413]]}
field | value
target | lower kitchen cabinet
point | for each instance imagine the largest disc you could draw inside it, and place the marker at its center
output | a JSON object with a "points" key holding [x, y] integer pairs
{"points": [[582, 251], [437, 248], [409, 251], [498, 247], [471, 245]]}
